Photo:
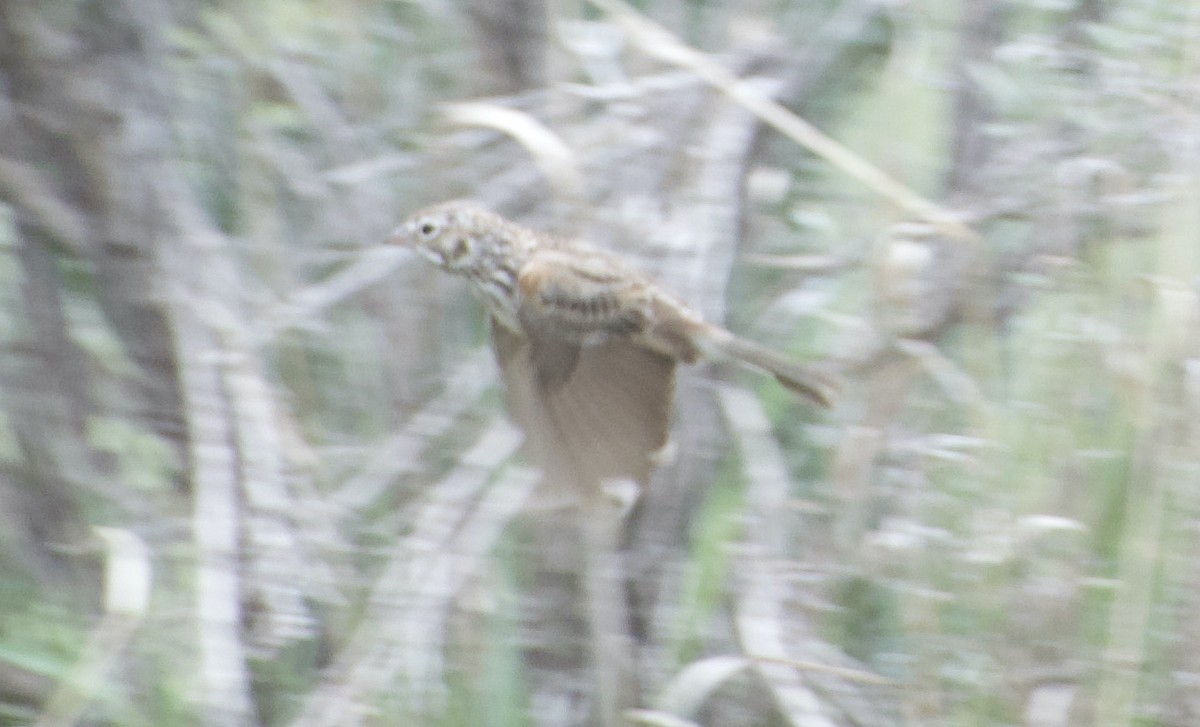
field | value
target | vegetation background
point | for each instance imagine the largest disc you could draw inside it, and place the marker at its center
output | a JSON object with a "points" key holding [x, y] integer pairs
{"points": [[254, 469]]}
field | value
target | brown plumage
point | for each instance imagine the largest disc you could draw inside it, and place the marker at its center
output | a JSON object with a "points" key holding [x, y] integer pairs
{"points": [[587, 343]]}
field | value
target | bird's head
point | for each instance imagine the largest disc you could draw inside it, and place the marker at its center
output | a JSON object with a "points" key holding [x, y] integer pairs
{"points": [[448, 234]]}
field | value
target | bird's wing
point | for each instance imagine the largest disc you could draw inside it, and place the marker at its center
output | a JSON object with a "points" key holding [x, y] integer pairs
{"points": [[579, 296], [606, 418]]}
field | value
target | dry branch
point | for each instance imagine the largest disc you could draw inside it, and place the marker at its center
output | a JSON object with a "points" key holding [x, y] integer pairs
{"points": [[401, 453], [658, 42], [402, 631], [224, 678], [770, 634]]}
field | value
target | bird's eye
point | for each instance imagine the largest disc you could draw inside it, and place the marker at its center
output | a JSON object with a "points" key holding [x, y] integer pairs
{"points": [[428, 229]]}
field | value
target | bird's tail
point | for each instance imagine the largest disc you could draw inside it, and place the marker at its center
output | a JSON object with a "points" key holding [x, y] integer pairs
{"points": [[813, 385]]}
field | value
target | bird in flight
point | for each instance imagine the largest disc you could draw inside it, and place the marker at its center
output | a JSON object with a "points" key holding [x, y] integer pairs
{"points": [[586, 342]]}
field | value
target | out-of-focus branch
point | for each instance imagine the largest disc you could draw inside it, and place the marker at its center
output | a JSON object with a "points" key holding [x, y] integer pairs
{"points": [[401, 452], [658, 42], [549, 151], [27, 189], [768, 632], [127, 578], [404, 625], [223, 675], [371, 267]]}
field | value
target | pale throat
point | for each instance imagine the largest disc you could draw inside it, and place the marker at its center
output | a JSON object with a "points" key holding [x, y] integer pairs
{"points": [[502, 307], [494, 281]]}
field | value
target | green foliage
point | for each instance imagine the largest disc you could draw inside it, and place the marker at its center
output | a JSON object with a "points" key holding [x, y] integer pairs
{"points": [[282, 677], [867, 622], [40, 638], [706, 580], [490, 690], [143, 462]]}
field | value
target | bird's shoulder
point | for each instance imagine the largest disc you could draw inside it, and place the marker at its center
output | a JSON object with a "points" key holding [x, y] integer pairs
{"points": [[558, 267], [579, 260]]}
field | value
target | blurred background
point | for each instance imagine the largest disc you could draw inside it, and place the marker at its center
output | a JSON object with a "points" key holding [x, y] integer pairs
{"points": [[255, 470]]}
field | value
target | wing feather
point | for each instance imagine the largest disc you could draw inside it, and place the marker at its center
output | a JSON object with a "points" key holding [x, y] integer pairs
{"points": [[606, 419], [579, 297]]}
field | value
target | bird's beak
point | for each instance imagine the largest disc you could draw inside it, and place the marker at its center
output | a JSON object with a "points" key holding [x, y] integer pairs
{"points": [[401, 236], [405, 238]]}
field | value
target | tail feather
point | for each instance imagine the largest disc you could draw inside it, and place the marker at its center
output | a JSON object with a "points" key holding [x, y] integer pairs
{"points": [[803, 380]]}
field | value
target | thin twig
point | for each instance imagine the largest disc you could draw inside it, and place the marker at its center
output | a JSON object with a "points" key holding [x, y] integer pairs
{"points": [[658, 42], [551, 154], [372, 266], [421, 574], [400, 454]]}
